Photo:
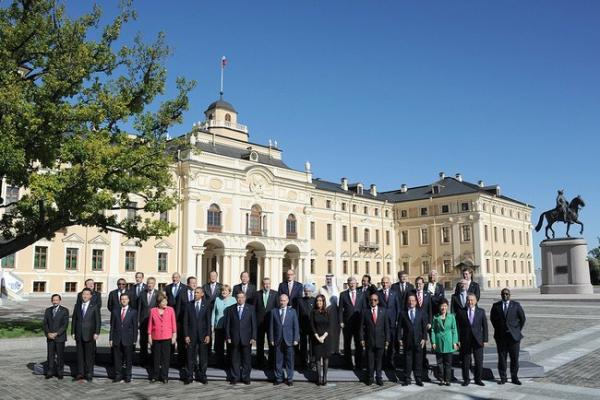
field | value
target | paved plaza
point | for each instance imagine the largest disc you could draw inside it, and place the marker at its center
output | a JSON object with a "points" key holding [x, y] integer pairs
{"points": [[561, 334]]}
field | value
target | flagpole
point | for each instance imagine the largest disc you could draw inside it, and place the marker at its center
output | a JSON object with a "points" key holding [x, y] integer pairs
{"points": [[222, 72]]}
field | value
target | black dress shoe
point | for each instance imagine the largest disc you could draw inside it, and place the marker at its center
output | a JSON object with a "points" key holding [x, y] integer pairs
{"points": [[516, 382], [465, 383], [89, 379], [502, 381], [447, 383], [246, 381], [369, 382], [479, 383], [117, 379], [290, 383], [277, 383], [187, 381], [442, 384], [59, 377], [152, 380], [233, 382], [379, 382], [48, 376], [426, 379], [203, 380], [419, 383], [405, 383], [127, 380]]}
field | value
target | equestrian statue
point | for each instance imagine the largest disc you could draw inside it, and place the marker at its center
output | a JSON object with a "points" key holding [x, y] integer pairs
{"points": [[567, 212]]}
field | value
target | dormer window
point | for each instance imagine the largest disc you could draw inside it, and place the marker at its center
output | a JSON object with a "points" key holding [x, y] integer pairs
{"points": [[228, 117], [211, 116], [436, 189], [359, 189], [253, 156]]}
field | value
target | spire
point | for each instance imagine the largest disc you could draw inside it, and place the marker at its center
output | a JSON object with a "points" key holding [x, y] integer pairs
{"points": [[223, 64]]}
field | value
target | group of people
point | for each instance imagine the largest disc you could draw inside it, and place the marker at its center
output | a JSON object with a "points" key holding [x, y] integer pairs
{"points": [[378, 326]]}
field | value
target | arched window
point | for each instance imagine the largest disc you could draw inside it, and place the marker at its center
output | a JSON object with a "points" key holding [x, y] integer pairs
{"points": [[211, 116], [228, 117], [255, 220], [213, 218], [290, 227]]}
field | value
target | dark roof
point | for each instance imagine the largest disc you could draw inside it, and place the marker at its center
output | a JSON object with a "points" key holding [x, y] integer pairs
{"points": [[336, 187], [235, 152], [221, 104], [448, 186]]}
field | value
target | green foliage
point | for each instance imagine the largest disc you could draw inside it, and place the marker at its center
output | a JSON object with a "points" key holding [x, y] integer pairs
{"points": [[64, 102], [594, 264]]}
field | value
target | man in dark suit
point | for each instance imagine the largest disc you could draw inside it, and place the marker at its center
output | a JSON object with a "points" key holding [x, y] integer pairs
{"points": [[96, 296], [56, 320], [249, 289], [436, 290], [458, 302], [85, 328], [284, 335], [196, 333], [212, 288], [147, 301], [367, 289], [305, 306], [425, 304], [412, 334], [292, 288], [472, 286], [402, 288], [173, 289], [240, 333], [508, 319], [114, 297], [123, 337], [473, 335], [350, 307], [389, 299], [267, 300], [374, 335], [185, 297], [137, 290]]}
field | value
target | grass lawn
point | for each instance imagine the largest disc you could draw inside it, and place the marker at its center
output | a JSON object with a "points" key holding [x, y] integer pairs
{"points": [[27, 328]]}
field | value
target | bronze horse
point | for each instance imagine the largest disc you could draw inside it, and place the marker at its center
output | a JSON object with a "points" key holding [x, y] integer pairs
{"points": [[556, 214]]}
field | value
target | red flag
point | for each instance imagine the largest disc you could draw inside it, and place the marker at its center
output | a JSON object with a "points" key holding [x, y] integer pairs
{"points": [[223, 62]]}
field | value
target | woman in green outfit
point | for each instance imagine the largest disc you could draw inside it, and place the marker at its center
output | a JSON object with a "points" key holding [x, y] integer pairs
{"points": [[444, 340]]}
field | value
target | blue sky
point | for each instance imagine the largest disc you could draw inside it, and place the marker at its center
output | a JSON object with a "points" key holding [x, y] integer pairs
{"points": [[393, 92]]}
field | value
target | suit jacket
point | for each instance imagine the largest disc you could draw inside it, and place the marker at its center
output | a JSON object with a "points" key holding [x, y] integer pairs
{"points": [[250, 293], [438, 294], [477, 331], [196, 325], [85, 327], [240, 331], [286, 331], [348, 313], [263, 311], [172, 298], [402, 293], [473, 288], [211, 297], [96, 299], [426, 306], [392, 306], [124, 332], [114, 300], [182, 301], [509, 325], [305, 307], [145, 306], [456, 305], [367, 292], [411, 334], [375, 334], [297, 292], [133, 297], [56, 323]]}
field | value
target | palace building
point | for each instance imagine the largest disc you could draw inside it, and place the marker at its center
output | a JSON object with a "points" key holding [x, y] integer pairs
{"points": [[242, 208]]}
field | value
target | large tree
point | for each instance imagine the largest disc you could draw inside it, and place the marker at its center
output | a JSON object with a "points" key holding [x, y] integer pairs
{"points": [[75, 130]]}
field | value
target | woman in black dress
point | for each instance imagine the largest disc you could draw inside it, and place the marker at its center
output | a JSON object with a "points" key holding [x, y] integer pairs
{"points": [[320, 323]]}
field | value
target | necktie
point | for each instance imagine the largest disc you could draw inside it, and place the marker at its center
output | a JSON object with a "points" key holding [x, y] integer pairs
{"points": [[265, 298], [462, 298], [403, 288], [282, 316], [139, 288], [290, 287], [374, 315], [240, 310], [387, 295], [412, 315], [174, 290], [353, 298], [54, 311], [190, 295], [198, 307], [212, 289], [123, 314], [244, 289], [505, 308], [149, 297], [420, 297], [83, 310], [471, 316]]}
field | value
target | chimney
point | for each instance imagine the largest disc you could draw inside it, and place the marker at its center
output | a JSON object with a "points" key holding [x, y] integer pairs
{"points": [[403, 188], [345, 184], [498, 191], [306, 166], [373, 190], [458, 177], [481, 184], [442, 175]]}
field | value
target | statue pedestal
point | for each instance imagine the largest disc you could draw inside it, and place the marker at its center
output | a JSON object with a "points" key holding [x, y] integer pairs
{"points": [[564, 267]]}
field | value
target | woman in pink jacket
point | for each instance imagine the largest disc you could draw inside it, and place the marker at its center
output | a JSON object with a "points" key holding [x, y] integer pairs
{"points": [[162, 333]]}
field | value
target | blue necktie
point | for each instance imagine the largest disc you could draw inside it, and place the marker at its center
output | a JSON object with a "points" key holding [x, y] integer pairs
{"points": [[240, 310]]}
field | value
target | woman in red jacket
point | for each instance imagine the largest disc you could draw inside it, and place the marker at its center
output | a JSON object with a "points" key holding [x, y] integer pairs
{"points": [[162, 333]]}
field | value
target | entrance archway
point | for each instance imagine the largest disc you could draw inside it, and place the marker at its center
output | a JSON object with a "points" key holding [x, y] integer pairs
{"points": [[291, 259], [254, 262], [212, 260]]}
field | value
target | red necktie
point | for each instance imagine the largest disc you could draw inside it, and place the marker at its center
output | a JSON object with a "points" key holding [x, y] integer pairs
{"points": [[420, 299], [122, 315], [374, 315], [353, 298]]}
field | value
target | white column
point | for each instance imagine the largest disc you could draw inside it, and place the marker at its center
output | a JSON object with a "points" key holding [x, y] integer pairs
{"points": [[188, 241]]}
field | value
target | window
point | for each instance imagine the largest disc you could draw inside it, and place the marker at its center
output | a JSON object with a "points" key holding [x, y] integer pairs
{"points": [[213, 218], [228, 117], [359, 189], [504, 234], [12, 196], [388, 268], [329, 232], [343, 206], [131, 210], [312, 201], [387, 238], [485, 232], [8, 261], [367, 236], [526, 239], [376, 211], [365, 210], [327, 203], [502, 212], [387, 213], [424, 236], [506, 266], [353, 208], [514, 267], [39, 287], [312, 230], [312, 265], [404, 238], [484, 207], [354, 234], [495, 234], [255, 220], [445, 234], [162, 286], [70, 287], [40, 258], [425, 265], [162, 262], [529, 267], [290, 227], [71, 258], [497, 266], [512, 236], [377, 236], [522, 267], [345, 267], [520, 238], [404, 214], [98, 287], [344, 233], [367, 267], [355, 267], [447, 266], [465, 207], [424, 211], [487, 265], [164, 216], [378, 268], [445, 209], [97, 259], [130, 261], [405, 266], [466, 233]]}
